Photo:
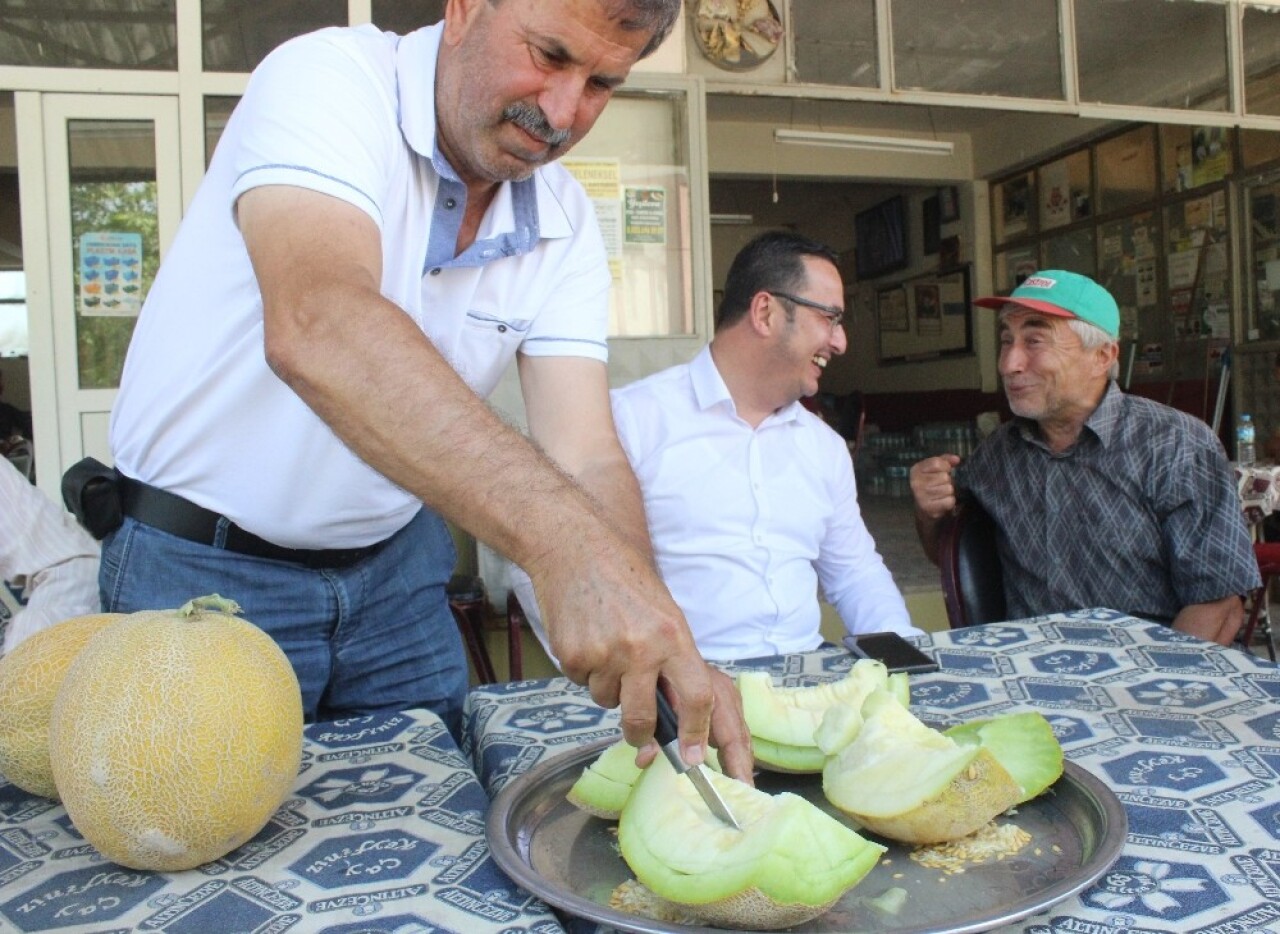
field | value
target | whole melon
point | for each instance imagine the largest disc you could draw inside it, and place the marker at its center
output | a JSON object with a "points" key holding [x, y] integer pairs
{"points": [[175, 738], [30, 676]]}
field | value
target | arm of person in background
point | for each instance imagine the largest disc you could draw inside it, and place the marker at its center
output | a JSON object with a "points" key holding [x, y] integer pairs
{"points": [[852, 573], [366, 368], [1218, 621], [43, 543], [570, 418], [934, 492]]}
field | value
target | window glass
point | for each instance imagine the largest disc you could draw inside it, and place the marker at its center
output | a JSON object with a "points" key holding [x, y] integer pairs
{"points": [[1127, 267], [115, 236], [238, 34], [1195, 156], [835, 42], [404, 16], [91, 34], [1012, 207], [1073, 251], [970, 47], [1153, 35], [634, 165], [1262, 204], [1261, 39], [1012, 266], [1127, 169], [1197, 266], [1259, 146], [1065, 190], [217, 111]]}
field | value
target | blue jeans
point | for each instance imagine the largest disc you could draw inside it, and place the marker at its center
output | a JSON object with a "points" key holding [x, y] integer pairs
{"points": [[376, 635]]}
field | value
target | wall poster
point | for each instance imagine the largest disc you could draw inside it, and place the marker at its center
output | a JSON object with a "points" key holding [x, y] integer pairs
{"points": [[925, 317]]}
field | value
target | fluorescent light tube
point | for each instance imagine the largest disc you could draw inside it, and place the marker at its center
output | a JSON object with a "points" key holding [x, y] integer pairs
{"points": [[901, 144], [737, 219]]}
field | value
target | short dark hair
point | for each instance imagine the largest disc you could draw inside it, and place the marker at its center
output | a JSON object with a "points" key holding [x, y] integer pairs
{"points": [[773, 260], [657, 16]]}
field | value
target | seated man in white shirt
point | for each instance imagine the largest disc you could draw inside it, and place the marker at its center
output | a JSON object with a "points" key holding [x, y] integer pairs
{"points": [[45, 549], [750, 498]]}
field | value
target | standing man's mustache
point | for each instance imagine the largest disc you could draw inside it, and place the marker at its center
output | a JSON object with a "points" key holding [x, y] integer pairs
{"points": [[532, 120]]}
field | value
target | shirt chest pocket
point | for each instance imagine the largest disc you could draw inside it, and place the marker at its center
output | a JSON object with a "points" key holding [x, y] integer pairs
{"points": [[486, 346]]}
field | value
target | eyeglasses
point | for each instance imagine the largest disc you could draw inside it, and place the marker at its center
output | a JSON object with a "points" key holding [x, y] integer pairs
{"points": [[833, 314]]}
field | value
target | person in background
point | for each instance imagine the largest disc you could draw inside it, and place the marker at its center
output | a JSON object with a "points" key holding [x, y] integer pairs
{"points": [[750, 498], [46, 553], [390, 228], [1100, 498]]}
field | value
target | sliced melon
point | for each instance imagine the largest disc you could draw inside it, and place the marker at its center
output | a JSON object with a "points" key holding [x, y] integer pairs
{"points": [[1023, 743], [604, 785], [904, 781], [784, 721], [789, 863]]}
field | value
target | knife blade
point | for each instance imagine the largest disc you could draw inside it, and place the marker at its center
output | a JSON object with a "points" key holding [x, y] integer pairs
{"points": [[670, 742]]}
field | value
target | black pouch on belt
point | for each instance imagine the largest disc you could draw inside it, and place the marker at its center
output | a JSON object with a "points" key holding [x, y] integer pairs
{"points": [[91, 491]]}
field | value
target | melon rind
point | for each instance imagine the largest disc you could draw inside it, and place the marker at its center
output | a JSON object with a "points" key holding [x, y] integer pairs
{"points": [[30, 676], [1023, 743], [173, 740], [789, 863]]}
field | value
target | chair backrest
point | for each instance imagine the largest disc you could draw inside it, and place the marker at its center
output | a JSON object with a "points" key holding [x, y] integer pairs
{"points": [[972, 578]]}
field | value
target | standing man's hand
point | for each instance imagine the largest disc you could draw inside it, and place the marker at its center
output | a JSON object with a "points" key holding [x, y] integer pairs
{"points": [[615, 629], [934, 492]]}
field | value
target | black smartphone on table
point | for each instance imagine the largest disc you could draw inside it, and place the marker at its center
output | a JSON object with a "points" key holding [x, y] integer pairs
{"points": [[894, 650]]}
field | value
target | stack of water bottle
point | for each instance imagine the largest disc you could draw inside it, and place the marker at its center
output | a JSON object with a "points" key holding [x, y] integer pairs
{"points": [[885, 458], [1246, 441]]}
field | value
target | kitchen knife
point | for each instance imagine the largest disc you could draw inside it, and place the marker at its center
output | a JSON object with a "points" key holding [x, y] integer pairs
{"points": [[670, 742]]}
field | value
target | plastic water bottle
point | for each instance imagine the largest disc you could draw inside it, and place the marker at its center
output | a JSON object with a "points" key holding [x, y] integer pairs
{"points": [[1246, 449]]}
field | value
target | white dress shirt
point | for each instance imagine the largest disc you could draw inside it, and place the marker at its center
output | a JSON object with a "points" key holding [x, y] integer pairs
{"points": [[746, 522], [44, 547]]}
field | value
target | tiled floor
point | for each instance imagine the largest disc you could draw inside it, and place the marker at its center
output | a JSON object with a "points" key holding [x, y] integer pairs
{"points": [[891, 521]]}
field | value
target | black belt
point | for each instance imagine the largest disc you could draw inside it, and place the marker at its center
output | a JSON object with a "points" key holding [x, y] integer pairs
{"points": [[170, 513]]}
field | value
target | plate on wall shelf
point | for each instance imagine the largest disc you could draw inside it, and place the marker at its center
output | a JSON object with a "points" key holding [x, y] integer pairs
{"points": [[736, 35], [571, 860]]}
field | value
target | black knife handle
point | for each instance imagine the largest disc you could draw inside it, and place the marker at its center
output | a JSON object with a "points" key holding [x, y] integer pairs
{"points": [[666, 730]]}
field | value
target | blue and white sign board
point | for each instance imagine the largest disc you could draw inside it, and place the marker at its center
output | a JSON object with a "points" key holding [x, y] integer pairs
{"points": [[110, 274]]}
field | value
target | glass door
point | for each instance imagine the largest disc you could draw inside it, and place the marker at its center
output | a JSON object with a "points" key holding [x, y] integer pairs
{"points": [[112, 202]]}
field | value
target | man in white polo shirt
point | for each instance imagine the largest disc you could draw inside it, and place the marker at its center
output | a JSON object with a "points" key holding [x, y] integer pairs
{"points": [[381, 229]]}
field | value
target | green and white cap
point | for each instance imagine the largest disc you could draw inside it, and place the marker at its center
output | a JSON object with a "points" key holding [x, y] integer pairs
{"points": [[1064, 295]]}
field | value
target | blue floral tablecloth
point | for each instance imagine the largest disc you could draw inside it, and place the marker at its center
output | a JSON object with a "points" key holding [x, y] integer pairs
{"points": [[384, 831], [1186, 733]]}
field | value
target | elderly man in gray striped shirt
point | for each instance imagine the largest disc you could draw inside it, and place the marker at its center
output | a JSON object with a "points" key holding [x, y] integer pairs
{"points": [[1100, 498]]}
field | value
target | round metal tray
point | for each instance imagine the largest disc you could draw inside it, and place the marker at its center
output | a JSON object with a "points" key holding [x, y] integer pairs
{"points": [[571, 860]]}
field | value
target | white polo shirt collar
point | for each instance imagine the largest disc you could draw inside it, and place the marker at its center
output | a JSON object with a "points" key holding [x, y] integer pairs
{"points": [[522, 212]]}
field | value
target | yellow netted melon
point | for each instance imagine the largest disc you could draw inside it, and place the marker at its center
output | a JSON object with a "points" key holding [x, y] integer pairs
{"points": [[789, 863], [176, 735], [904, 781], [30, 676]]}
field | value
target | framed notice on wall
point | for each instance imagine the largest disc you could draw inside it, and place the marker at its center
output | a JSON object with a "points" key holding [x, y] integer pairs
{"points": [[925, 317]]}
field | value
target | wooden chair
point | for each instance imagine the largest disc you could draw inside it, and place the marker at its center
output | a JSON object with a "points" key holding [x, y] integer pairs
{"points": [[972, 578], [470, 606], [1268, 555]]}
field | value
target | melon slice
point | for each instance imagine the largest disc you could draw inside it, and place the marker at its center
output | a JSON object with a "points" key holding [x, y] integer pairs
{"points": [[789, 863], [785, 721], [30, 676], [904, 781], [1023, 743], [604, 785]]}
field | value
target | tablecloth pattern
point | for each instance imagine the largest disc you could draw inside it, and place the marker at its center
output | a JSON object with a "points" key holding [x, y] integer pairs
{"points": [[1259, 488], [384, 831], [1186, 733]]}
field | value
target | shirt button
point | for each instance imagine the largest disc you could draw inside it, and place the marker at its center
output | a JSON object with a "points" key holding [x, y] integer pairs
{"points": [[502, 329], [436, 271], [450, 203]]}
